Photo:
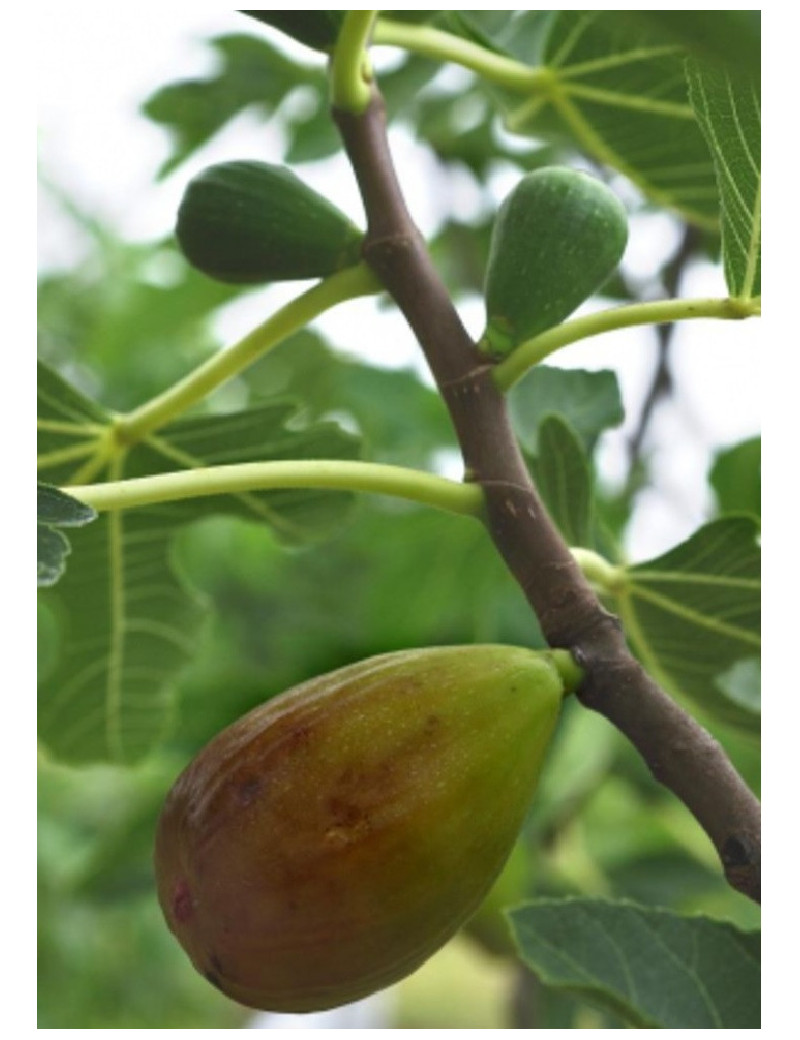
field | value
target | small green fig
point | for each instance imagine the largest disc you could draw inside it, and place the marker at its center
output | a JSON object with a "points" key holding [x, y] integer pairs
{"points": [[556, 239], [251, 222], [328, 842]]}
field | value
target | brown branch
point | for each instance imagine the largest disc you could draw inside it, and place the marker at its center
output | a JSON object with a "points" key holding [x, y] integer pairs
{"points": [[680, 754]]}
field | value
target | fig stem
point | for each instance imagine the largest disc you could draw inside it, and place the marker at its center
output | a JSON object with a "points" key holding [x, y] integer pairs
{"points": [[568, 669], [598, 571], [656, 312], [333, 474], [351, 73], [343, 285], [444, 46]]}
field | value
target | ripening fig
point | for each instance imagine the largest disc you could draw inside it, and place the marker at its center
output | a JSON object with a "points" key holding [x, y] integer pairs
{"points": [[252, 222], [328, 842], [556, 239]]}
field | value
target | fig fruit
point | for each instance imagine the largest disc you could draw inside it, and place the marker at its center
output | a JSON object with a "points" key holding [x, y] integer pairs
{"points": [[328, 842], [252, 222], [556, 238]]}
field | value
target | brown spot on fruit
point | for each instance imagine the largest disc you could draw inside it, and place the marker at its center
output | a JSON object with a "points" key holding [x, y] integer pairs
{"points": [[298, 739], [345, 813], [182, 902], [248, 791], [350, 823]]}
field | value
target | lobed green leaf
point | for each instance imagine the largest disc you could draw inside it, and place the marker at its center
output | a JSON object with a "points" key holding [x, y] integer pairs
{"points": [[56, 509], [728, 108], [728, 39], [127, 623], [316, 29], [251, 72], [59, 509], [695, 612], [52, 549], [736, 478], [615, 88], [654, 968], [563, 477], [590, 401]]}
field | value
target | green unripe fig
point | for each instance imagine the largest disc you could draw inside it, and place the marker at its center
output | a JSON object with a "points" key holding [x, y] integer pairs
{"points": [[317, 29], [328, 842], [251, 222], [556, 238]]}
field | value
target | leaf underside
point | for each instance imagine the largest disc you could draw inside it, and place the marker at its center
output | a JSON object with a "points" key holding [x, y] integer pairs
{"points": [[618, 90], [728, 109], [654, 968], [54, 509], [126, 621], [695, 612]]}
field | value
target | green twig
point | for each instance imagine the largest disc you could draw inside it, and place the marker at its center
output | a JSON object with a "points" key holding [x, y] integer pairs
{"points": [[444, 46], [530, 353], [344, 285], [351, 73], [415, 485]]}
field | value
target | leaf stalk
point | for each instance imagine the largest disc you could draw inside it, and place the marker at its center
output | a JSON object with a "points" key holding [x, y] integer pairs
{"points": [[351, 72], [332, 474], [337, 288], [657, 312], [444, 46]]}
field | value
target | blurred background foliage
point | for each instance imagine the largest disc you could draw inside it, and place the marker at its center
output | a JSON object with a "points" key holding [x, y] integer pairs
{"points": [[128, 320]]}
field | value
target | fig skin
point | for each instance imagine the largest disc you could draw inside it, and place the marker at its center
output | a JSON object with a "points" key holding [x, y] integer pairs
{"points": [[327, 843], [249, 223], [557, 238]]}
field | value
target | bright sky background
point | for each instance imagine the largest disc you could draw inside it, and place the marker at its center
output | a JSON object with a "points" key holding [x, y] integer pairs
{"points": [[97, 63]]}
